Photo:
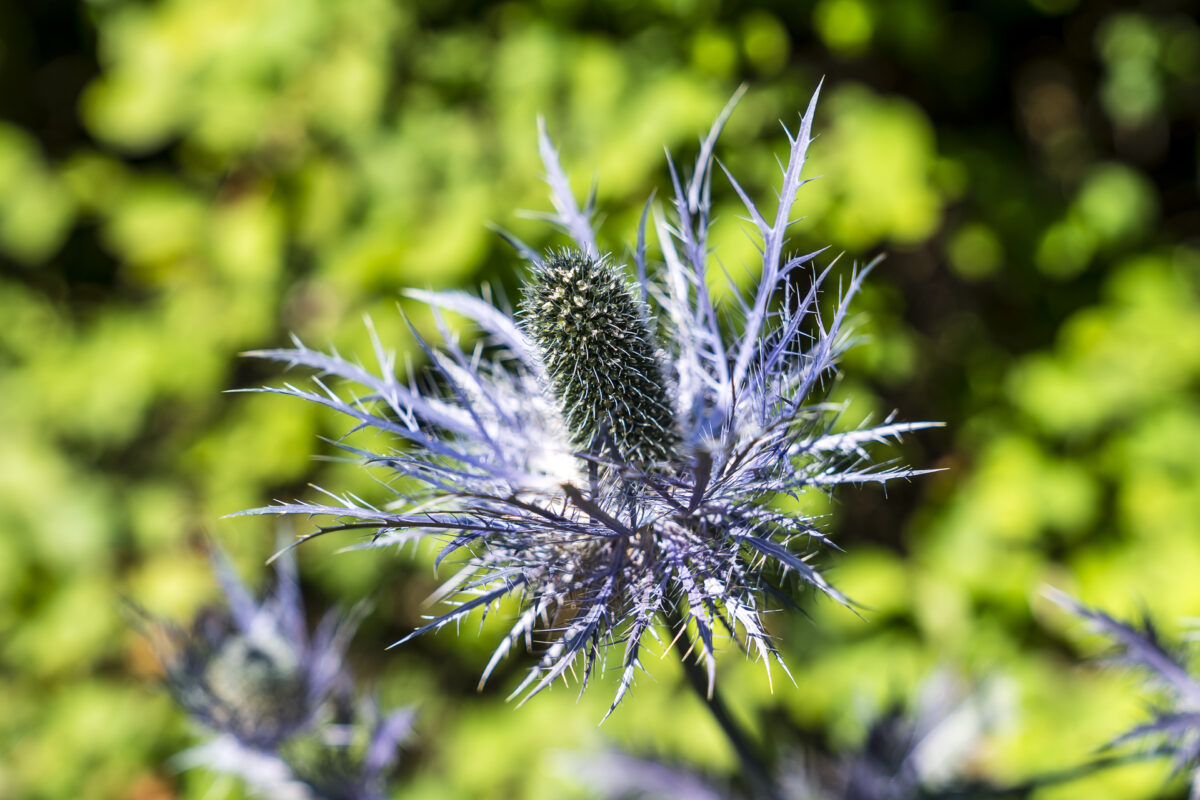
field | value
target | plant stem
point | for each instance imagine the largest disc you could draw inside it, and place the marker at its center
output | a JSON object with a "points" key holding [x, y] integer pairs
{"points": [[757, 777]]}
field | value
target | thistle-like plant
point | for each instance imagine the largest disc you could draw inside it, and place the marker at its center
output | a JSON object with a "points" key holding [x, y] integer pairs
{"points": [[922, 754], [612, 455], [277, 704], [1175, 729]]}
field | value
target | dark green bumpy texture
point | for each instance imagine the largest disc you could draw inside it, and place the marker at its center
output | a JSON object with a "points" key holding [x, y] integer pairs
{"points": [[592, 334]]}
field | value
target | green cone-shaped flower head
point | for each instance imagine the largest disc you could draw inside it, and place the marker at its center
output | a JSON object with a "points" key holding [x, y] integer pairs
{"points": [[593, 336]]}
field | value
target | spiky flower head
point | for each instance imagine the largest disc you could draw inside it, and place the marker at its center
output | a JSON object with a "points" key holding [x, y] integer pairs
{"points": [[594, 338], [269, 695], [613, 478], [251, 670]]}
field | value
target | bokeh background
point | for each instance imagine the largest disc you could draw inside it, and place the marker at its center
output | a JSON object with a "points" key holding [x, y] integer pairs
{"points": [[182, 180]]}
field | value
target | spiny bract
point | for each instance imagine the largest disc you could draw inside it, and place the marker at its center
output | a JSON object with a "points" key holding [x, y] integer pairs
{"points": [[594, 339], [677, 523]]}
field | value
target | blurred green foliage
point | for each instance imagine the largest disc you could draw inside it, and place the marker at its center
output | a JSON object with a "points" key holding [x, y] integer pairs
{"points": [[181, 180]]}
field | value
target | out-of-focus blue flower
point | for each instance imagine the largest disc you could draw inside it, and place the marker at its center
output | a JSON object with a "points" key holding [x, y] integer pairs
{"points": [[923, 753], [350, 759], [920, 755], [1175, 729], [278, 703], [629, 481]]}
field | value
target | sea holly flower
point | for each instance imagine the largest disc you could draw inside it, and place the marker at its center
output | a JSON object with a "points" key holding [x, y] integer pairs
{"points": [[277, 704], [350, 758], [921, 754], [251, 670], [1174, 730], [612, 453]]}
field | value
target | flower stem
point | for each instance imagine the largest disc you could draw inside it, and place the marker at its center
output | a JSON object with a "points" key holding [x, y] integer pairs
{"points": [[757, 777]]}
